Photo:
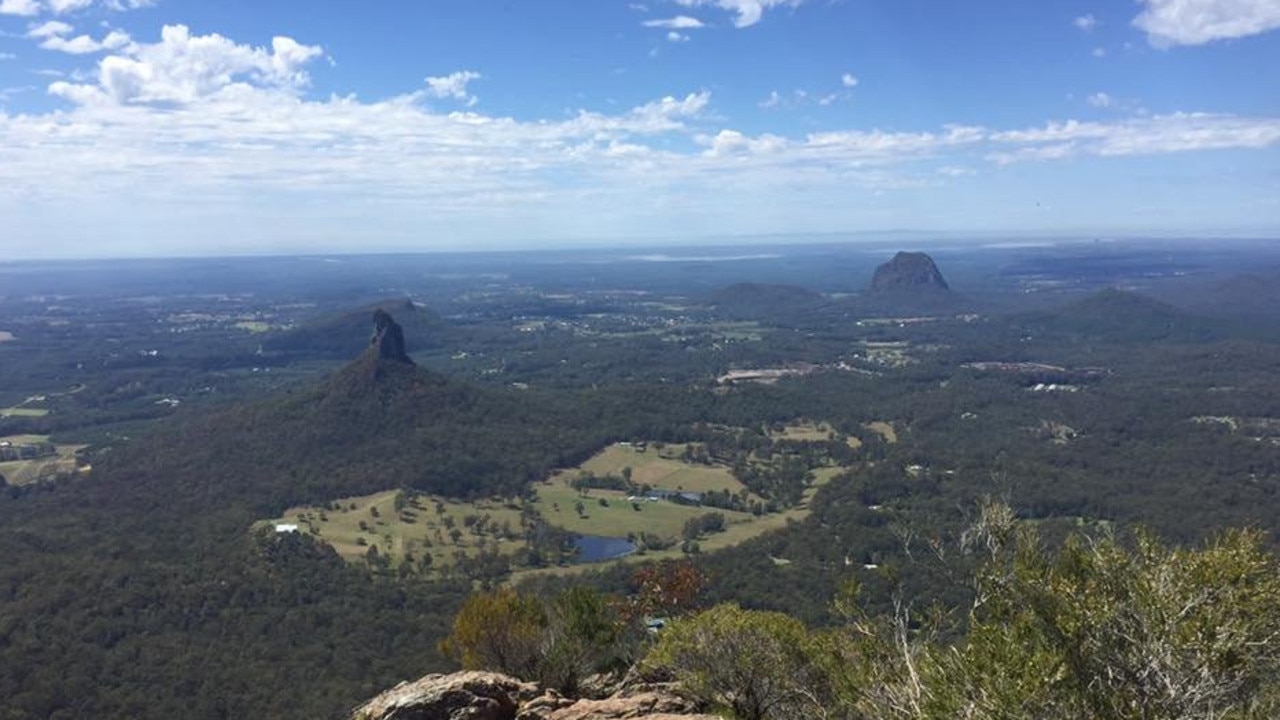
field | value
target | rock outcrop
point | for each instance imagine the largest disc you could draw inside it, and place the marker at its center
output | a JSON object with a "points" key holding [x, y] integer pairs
{"points": [[460, 696], [388, 337], [909, 272], [492, 696]]}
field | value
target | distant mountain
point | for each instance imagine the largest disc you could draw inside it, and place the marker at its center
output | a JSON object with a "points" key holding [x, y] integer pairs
{"points": [[1121, 316], [1252, 295], [345, 335], [909, 283], [908, 272], [763, 301]]}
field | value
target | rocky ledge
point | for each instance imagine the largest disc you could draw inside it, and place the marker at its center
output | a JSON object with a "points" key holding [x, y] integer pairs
{"points": [[493, 696]]}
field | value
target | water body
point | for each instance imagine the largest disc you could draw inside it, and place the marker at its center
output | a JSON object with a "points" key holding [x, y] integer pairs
{"points": [[598, 548]]}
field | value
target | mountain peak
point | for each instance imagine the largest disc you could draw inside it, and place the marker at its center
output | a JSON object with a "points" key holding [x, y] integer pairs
{"points": [[388, 337], [908, 271]]}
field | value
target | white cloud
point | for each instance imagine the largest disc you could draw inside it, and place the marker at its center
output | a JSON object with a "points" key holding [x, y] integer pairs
{"points": [[31, 8], [1085, 22], [83, 44], [747, 12], [848, 80], [676, 37], [8, 56], [60, 7], [1159, 134], [234, 130], [182, 68], [453, 86], [1100, 100], [1099, 52], [773, 101], [679, 22], [1196, 22], [51, 28], [126, 5], [732, 142], [25, 8]]}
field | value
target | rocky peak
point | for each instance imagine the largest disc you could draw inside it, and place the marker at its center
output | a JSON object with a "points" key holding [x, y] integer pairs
{"points": [[388, 337], [908, 271]]}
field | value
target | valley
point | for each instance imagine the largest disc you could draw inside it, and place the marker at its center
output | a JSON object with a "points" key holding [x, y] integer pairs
{"points": [[246, 483]]}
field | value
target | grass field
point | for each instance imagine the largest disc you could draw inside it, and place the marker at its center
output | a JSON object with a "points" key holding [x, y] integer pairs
{"points": [[421, 531], [426, 527], [253, 326], [26, 472], [660, 468], [805, 431], [884, 429], [23, 412], [620, 518], [740, 527]]}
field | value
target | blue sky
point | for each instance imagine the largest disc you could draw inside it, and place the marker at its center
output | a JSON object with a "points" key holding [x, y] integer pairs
{"points": [[176, 127]]}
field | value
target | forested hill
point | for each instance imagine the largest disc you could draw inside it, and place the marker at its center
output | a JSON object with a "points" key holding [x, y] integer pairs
{"points": [[141, 591], [1113, 315]]}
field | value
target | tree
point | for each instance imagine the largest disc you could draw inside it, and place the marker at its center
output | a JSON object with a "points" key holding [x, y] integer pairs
{"points": [[500, 631], [759, 664], [556, 641]]}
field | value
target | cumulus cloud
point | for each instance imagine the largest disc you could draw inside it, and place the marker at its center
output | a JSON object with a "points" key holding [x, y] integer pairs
{"points": [[679, 22], [51, 28], [746, 12], [453, 86], [1196, 22], [25, 8], [30, 8], [183, 68], [83, 44], [198, 125], [676, 37], [1085, 22], [60, 7], [848, 80], [1100, 100]]}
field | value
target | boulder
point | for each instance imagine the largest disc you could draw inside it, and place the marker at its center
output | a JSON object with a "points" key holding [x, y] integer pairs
{"points": [[493, 696], [460, 696]]}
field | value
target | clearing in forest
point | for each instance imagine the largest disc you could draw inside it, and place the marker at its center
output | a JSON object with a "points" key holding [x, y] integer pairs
{"points": [[653, 517], [884, 429], [808, 431], [49, 460], [658, 466], [413, 526]]}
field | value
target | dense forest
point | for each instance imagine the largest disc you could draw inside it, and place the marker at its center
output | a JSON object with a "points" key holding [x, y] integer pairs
{"points": [[147, 586]]}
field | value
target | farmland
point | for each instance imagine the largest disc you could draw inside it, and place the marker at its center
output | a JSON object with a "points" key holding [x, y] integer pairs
{"points": [[47, 460]]}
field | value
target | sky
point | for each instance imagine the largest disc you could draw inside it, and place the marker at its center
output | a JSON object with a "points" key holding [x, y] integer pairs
{"points": [[189, 127]]}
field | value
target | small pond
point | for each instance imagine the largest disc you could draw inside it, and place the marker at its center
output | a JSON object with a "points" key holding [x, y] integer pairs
{"points": [[598, 548]]}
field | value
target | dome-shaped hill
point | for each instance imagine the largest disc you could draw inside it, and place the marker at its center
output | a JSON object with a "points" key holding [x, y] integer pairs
{"points": [[911, 272], [1122, 316]]}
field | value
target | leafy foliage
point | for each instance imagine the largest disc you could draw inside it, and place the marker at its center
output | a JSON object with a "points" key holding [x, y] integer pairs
{"points": [[759, 664]]}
